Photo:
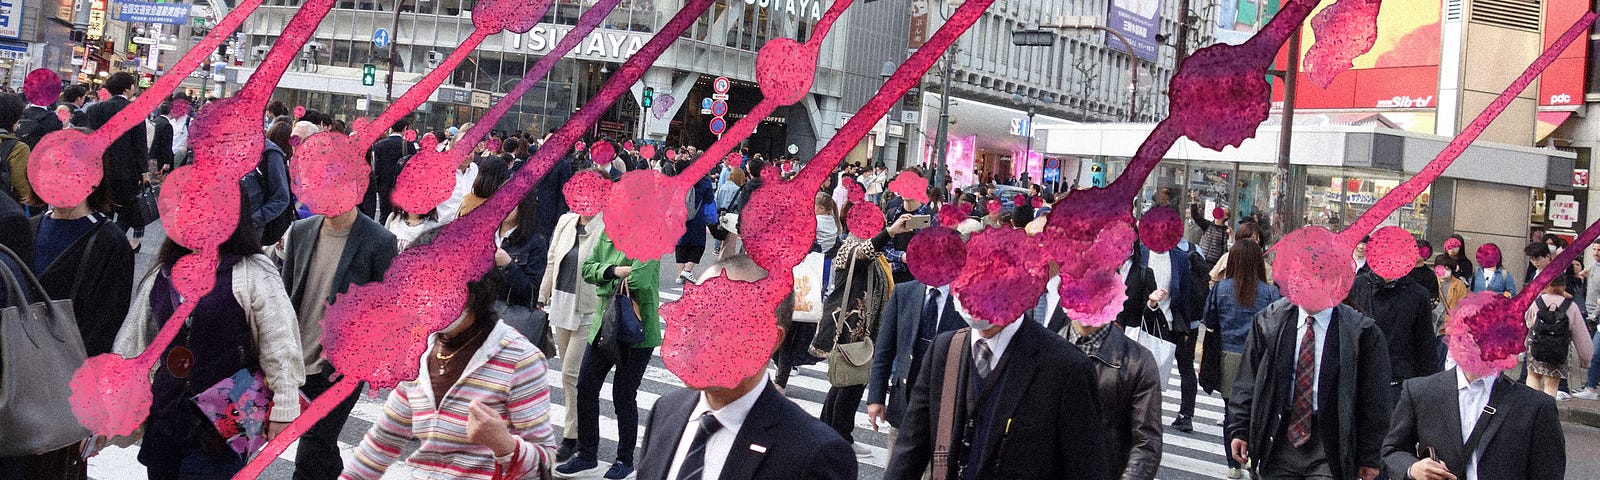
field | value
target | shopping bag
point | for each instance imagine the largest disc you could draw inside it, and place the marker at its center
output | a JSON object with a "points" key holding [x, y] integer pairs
{"points": [[808, 288], [1164, 351]]}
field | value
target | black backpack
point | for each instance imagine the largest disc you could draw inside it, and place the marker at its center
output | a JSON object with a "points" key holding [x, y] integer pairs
{"points": [[277, 226], [1550, 333]]}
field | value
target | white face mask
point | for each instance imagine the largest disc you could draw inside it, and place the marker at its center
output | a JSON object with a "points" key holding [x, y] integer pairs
{"points": [[976, 323]]}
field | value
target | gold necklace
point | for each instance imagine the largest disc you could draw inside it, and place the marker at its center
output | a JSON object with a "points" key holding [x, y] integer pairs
{"points": [[444, 360]]}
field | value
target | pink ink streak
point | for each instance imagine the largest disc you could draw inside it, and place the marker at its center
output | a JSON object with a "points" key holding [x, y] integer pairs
{"points": [[908, 184], [319, 408]]}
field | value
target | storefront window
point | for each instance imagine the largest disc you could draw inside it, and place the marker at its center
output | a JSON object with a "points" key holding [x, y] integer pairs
{"points": [[1324, 199], [1163, 188], [1253, 194], [1364, 189], [1210, 186]]}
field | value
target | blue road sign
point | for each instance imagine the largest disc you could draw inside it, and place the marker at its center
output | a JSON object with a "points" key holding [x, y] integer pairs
{"points": [[718, 125], [719, 108], [380, 37]]}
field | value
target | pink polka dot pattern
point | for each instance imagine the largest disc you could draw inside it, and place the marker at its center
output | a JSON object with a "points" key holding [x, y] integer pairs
{"points": [[42, 86], [1160, 229], [1486, 333], [410, 135], [936, 255], [1345, 30], [864, 220], [1313, 268], [193, 203], [646, 213], [1220, 94], [587, 193], [708, 344], [1392, 252], [908, 184], [1004, 275]]}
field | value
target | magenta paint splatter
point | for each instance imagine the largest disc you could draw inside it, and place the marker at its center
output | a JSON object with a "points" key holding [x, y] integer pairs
{"points": [[951, 214], [776, 66], [853, 191], [1160, 229], [936, 255], [332, 181], [42, 86], [778, 232], [587, 192], [102, 94], [671, 154], [110, 396], [1004, 276], [63, 115], [707, 344], [1489, 256], [578, 146], [864, 220], [648, 151], [993, 206], [638, 201], [515, 15], [1345, 30], [192, 201], [493, 145], [299, 112], [1485, 333], [1392, 252], [627, 146], [1313, 268], [410, 135], [66, 167], [908, 184], [1452, 244], [735, 160], [427, 180], [1037, 202], [602, 153], [1096, 299]]}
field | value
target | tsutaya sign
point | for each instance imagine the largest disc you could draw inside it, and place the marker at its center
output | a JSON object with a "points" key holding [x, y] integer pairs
{"points": [[793, 8], [601, 44]]}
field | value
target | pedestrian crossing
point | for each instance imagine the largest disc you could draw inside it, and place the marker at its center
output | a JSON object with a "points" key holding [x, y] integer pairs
{"points": [[1196, 455]]}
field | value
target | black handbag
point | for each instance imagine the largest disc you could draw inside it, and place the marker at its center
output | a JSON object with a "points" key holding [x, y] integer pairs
{"points": [[145, 209], [533, 324], [40, 349], [620, 325]]}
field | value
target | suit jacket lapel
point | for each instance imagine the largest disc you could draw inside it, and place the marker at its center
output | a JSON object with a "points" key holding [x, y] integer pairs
{"points": [[918, 301], [664, 442], [307, 242], [352, 246], [1017, 377], [743, 460]]}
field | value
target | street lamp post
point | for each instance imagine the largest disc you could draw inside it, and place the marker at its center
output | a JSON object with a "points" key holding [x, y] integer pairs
{"points": [[1041, 38], [888, 71]]}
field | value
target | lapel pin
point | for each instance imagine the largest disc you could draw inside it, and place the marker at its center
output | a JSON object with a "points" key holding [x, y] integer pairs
{"points": [[758, 448]]}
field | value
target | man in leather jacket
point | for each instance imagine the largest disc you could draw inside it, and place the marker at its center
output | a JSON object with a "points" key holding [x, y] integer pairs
{"points": [[1130, 398]]}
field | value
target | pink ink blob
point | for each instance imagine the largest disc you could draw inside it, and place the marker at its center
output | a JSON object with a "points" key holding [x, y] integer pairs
{"points": [[1485, 333], [951, 214], [1451, 244], [103, 94], [1160, 229], [735, 160], [299, 112], [908, 184], [784, 70], [1004, 275], [332, 180], [671, 154], [707, 344], [1094, 300], [1037, 202], [194, 205], [427, 179], [411, 135], [63, 115], [65, 167], [381, 338], [936, 255], [853, 191], [215, 140], [602, 153], [647, 151], [1392, 252], [1220, 94], [1313, 268], [587, 192], [515, 15], [180, 108], [1489, 256], [994, 206], [1345, 30], [1424, 252], [864, 220], [578, 146], [111, 395], [492, 145], [646, 213], [778, 231], [627, 146], [42, 86]]}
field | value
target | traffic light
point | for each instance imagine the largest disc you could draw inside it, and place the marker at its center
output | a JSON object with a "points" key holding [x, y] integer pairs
{"points": [[369, 74], [649, 97]]}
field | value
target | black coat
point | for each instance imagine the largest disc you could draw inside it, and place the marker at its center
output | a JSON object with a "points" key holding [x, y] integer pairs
{"points": [[1130, 394], [1425, 278], [366, 256], [898, 332], [1048, 396], [552, 201], [160, 147], [125, 158], [1355, 356], [36, 122], [778, 441], [1401, 308], [1522, 440], [16, 233], [526, 270], [96, 273]]}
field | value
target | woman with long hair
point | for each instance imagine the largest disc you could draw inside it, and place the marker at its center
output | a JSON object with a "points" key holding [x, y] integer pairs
{"points": [[1455, 258], [406, 226], [862, 283], [1246, 231], [492, 173], [244, 330], [480, 409], [571, 304], [1231, 310]]}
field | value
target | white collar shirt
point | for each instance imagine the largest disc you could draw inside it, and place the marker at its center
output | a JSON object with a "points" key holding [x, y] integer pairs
{"points": [[1052, 297], [1160, 264], [1473, 397], [720, 445], [998, 344], [1320, 327], [944, 298]]}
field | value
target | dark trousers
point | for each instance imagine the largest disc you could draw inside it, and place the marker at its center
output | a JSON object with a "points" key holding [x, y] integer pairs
{"points": [[61, 464], [1189, 383], [839, 409], [624, 392], [1306, 462], [318, 457], [376, 205]]}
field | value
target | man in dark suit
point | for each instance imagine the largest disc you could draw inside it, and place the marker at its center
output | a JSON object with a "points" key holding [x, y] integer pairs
{"points": [[37, 121], [915, 315], [1022, 406], [746, 432], [125, 159], [323, 257], [158, 141], [1515, 432], [384, 156]]}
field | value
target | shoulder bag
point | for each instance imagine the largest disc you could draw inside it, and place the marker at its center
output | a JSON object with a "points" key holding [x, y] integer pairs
{"points": [[620, 325], [945, 430], [850, 364], [40, 349], [533, 324]]}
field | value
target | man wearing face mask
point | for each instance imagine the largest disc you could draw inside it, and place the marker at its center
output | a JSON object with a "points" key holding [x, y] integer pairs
{"points": [[1002, 401]]}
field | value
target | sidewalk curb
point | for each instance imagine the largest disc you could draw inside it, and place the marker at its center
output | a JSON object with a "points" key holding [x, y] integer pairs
{"points": [[1583, 412]]}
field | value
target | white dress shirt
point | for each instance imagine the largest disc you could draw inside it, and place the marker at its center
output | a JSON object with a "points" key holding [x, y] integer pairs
{"points": [[997, 345], [1473, 397], [1052, 297], [1160, 264], [1320, 327], [720, 445]]}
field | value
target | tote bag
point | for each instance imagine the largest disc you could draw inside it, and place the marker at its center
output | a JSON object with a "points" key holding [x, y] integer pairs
{"points": [[1164, 351], [40, 348], [808, 288]]}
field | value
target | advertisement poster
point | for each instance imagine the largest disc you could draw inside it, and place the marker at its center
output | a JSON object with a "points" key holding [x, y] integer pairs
{"points": [[143, 12], [10, 18], [1401, 72], [1138, 21]]}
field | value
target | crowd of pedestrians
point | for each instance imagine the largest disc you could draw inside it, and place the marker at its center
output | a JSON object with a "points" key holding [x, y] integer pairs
{"points": [[1312, 391]]}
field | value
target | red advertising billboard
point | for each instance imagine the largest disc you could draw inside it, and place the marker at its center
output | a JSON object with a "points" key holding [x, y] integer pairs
{"points": [[1400, 72], [1562, 81]]}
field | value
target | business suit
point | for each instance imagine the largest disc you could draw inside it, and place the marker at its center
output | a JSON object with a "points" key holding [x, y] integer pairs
{"points": [[1521, 440], [37, 121], [1046, 420], [384, 157], [159, 146], [778, 441], [124, 160], [894, 362], [366, 256]]}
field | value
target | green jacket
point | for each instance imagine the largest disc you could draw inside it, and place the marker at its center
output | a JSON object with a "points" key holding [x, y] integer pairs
{"points": [[642, 284]]}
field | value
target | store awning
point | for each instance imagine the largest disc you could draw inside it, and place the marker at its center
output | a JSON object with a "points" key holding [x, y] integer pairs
{"points": [[1548, 123]]}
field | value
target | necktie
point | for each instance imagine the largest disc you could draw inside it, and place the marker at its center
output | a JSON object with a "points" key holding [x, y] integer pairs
{"points": [[985, 359], [930, 315], [1304, 375], [694, 464]]}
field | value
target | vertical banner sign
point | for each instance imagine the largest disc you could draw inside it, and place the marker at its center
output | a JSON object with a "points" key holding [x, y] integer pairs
{"points": [[1138, 20], [918, 34], [97, 19]]}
